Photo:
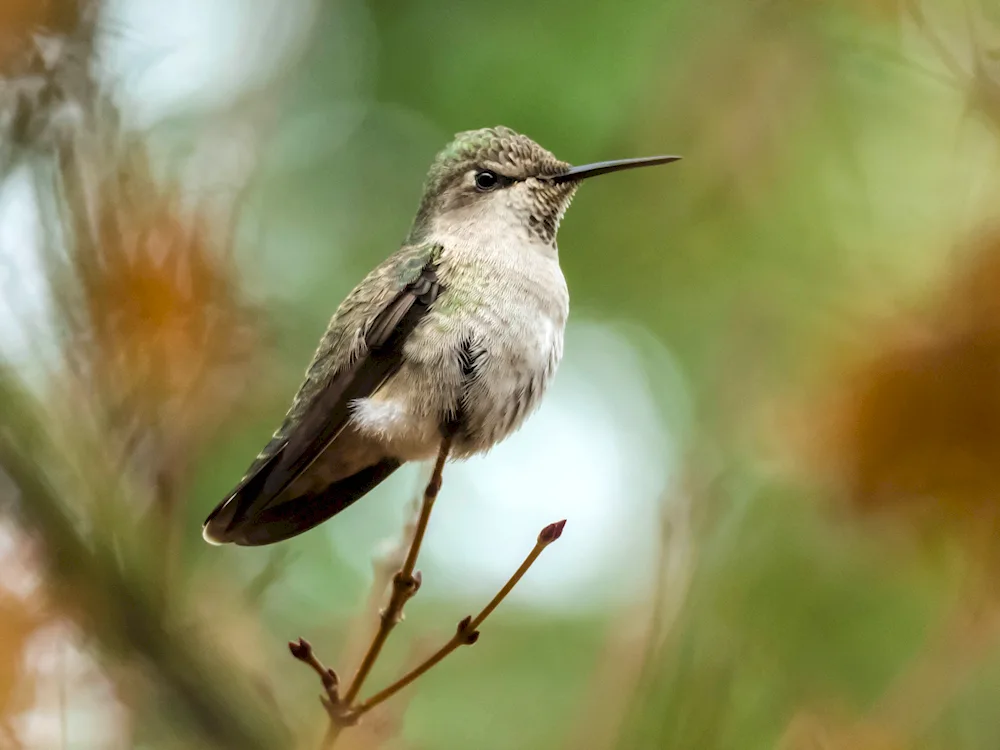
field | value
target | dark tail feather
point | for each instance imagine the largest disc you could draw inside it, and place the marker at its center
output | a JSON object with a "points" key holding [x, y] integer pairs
{"points": [[292, 517]]}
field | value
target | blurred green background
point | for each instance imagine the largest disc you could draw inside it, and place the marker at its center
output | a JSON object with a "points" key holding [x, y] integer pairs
{"points": [[778, 348]]}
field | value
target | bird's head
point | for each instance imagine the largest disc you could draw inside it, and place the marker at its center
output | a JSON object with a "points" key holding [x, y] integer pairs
{"points": [[503, 178]]}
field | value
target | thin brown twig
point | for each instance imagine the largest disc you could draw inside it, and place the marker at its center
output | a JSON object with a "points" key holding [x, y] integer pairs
{"points": [[387, 560], [302, 650], [405, 583], [467, 631]]}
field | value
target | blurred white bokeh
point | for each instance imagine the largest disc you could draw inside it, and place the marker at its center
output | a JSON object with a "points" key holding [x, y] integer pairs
{"points": [[188, 55]]}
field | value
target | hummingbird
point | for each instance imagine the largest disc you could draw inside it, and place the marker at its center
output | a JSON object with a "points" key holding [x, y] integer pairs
{"points": [[456, 335]]}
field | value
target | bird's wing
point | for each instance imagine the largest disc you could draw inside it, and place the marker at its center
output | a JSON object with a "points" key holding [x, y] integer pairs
{"points": [[361, 349]]}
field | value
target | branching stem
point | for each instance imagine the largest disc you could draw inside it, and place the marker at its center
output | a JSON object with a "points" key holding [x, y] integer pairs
{"points": [[467, 631], [343, 710]]}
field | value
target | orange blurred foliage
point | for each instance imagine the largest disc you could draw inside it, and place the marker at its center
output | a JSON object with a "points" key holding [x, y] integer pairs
{"points": [[20, 19], [22, 614], [916, 424], [157, 333]]}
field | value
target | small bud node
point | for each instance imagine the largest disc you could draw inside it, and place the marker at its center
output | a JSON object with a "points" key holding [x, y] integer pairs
{"points": [[463, 632], [301, 649], [551, 532], [330, 680], [408, 585]]}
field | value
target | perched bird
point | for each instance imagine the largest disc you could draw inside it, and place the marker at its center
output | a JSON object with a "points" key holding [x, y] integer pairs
{"points": [[456, 334]]}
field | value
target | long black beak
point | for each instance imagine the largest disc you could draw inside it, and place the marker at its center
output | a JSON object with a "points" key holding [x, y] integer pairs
{"points": [[604, 167]]}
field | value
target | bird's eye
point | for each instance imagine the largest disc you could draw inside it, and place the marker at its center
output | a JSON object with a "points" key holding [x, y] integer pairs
{"points": [[487, 180]]}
